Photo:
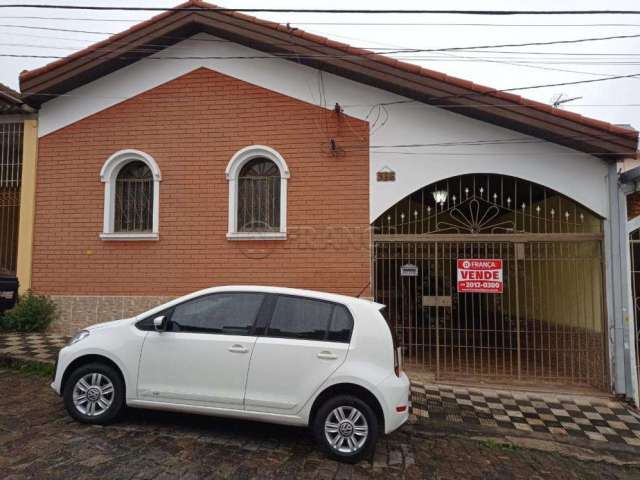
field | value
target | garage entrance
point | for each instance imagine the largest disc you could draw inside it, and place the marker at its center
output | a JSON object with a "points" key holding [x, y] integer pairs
{"points": [[533, 311]]}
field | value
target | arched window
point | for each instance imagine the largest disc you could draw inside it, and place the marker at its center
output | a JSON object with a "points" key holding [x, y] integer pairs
{"points": [[134, 199], [131, 201], [257, 194]]}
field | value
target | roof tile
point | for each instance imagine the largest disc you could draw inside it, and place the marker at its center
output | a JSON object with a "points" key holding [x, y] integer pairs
{"points": [[371, 56]]}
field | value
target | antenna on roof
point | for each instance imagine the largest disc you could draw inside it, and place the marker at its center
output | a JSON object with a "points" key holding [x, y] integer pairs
{"points": [[557, 100]]}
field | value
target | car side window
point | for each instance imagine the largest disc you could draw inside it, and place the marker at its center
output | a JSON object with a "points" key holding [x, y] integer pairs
{"points": [[341, 325], [224, 313], [304, 318]]}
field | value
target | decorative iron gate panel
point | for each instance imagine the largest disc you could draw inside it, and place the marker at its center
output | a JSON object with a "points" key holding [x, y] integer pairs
{"points": [[10, 177], [548, 323], [545, 327]]}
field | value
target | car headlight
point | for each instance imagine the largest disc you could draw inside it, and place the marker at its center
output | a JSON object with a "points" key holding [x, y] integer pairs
{"points": [[82, 334]]}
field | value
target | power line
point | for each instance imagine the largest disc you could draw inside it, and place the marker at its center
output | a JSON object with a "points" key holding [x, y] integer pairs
{"points": [[493, 154], [424, 50], [514, 61], [463, 143], [401, 50], [55, 29], [528, 64], [390, 24], [469, 95], [553, 42], [532, 87], [506, 90], [358, 105], [76, 19], [580, 54], [458, 57], [599, 59], [437, 24], [320, 10], [295, 57]]}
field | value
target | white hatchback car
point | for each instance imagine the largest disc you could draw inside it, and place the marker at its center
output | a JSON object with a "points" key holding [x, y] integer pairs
{"points": [[276, 355]]}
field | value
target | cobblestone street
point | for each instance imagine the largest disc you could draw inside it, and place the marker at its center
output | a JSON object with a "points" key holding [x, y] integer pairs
{"points": [[38, 440]]}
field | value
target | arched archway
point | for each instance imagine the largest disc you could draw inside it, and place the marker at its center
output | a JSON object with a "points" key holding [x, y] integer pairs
{"points": [[494, 278], [487, 204]]}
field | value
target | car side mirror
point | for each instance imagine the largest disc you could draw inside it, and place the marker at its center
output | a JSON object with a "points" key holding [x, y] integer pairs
{"points": [[160, 323]]}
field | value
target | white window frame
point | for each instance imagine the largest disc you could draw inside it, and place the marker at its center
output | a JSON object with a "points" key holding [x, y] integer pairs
{"points": [[239, 160], [109, 175]]}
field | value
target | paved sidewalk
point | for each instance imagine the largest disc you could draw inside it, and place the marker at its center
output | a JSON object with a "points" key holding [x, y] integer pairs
{"points": [[598, 419], [41, 347]]}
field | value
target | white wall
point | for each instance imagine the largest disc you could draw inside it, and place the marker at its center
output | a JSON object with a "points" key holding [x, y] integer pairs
{"points": [[577, 175]]}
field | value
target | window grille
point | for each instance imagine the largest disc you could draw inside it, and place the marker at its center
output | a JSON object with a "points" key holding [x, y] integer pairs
{"points": [[134, 199], [259, 197], [10, 177], [548, 323]]}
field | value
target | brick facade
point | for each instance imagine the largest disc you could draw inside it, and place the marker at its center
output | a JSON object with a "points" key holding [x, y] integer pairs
{"points": [[192, 126], [633, 205]]}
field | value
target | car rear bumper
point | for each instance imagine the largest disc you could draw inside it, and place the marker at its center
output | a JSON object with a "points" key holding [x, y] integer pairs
{"points": [[396, 392]]}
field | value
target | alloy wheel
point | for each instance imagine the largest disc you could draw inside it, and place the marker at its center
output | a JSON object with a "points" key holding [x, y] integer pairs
{"points": [[346, 429], [93, 394]]}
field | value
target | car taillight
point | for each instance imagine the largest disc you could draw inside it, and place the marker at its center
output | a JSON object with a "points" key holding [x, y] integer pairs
{"points": [[396, 359]]}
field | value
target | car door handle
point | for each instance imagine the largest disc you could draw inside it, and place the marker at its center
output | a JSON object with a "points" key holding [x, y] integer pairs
{"points": [[238, 349], [327, 355]]}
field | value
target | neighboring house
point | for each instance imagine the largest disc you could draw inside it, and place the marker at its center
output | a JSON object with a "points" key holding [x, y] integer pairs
{"points": [[206, 147], [17, 139], [630, 179]]}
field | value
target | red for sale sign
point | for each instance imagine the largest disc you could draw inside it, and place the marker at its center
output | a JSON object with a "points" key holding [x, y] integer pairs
{"points": [[480, 275]]}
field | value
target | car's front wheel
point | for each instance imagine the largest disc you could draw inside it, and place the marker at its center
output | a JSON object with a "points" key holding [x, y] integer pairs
{"points": [[94, 393], [346, 428]]}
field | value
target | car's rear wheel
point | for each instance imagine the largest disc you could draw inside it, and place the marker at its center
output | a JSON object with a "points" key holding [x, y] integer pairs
{"points": [[94, 393], [346, 428]]}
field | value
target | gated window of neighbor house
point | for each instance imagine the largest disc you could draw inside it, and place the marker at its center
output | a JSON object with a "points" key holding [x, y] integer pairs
{"points": [[10, 175], [134, 198], [259, 197]]}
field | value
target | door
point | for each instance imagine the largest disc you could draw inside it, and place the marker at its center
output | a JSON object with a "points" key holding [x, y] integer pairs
{"points": [[305, 342], [204, 356]]}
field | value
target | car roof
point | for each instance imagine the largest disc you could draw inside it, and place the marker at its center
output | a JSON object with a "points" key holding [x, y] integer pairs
{"points": [[333, 297]]}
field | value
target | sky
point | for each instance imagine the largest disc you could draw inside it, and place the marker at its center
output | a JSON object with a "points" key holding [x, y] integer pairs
{"points": [[615, 101]]}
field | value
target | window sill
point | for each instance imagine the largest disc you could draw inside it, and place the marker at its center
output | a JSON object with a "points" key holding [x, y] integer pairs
{"points": [[256, 236], [129, 236]]}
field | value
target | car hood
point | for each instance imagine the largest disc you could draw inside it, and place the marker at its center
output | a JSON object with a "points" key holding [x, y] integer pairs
{"points": [[111, 324]]}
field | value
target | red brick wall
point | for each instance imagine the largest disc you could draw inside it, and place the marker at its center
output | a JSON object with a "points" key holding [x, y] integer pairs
{"points": [[633, 205], [192, 126]]}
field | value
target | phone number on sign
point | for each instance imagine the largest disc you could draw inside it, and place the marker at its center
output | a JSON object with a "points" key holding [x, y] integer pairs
{"points": [[484, 285]]}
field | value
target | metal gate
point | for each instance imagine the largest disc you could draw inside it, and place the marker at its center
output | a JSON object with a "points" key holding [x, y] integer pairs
{"points": [[10, 177], [547, 324]]}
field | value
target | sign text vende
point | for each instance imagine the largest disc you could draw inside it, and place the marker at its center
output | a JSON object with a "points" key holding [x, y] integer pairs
{"points": [[480, 275]]}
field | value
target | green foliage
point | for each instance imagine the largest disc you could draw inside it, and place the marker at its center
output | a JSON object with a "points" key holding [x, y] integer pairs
{"points": [[27, 367], [492, 444], [33, 313]]}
